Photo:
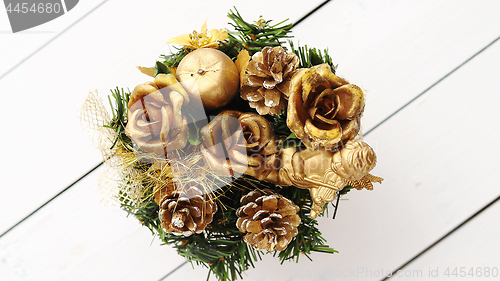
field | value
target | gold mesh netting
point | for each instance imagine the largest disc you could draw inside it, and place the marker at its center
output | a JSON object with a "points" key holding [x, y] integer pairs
{"points": [[93, 117], [117, 175], [129, 173]]}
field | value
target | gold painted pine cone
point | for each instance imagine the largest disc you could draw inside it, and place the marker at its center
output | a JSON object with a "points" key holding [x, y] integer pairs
{"points": [[269, 220], [240, 143], [186, 211], [155, 122], [324, 110], [267, 82]]}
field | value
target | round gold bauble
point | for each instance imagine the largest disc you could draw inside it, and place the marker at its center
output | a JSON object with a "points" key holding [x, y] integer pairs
{"points": [[212, 74]]}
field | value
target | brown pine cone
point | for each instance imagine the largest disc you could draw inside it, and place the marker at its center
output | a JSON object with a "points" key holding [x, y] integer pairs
{"points": [[269, 219], [185, 211], [267, 82]]}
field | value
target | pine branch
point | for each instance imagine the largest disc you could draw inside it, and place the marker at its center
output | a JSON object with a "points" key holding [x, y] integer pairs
{"points": [[309, 239], [281, 129], [119, 121], [253, 36], [174, 59], [311, 57], [221, 247]]}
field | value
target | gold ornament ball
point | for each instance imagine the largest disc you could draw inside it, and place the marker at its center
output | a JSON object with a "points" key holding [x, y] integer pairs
{"points": [[211, 73]]}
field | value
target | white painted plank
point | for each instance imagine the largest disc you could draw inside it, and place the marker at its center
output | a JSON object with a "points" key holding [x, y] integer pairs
{"points": [[439, 159], [395, 50], [470, 253], [76, 238], [14, 48], [45, 146]]}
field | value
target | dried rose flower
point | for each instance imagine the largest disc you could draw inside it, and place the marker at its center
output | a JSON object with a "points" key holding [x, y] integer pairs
{"points": [[155, 122], [324, 110], [240, 143]]}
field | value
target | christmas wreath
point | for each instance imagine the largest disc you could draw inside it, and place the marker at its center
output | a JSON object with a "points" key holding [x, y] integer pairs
{"points": [[234, 146]]}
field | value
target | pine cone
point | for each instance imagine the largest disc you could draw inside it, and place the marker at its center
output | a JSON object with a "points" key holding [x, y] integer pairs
{"points": [[267, 83], [269, 219], [185, 211]]}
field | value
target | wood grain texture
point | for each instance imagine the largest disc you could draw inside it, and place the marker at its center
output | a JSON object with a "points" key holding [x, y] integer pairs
{"points": [[15, 48], [43, 95], [394, 50], [76, 238], [471, 253]]}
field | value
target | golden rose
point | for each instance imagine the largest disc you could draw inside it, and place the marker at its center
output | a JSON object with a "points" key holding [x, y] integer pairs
{"points": [[324, 110], [155, 122], [240, 143]]}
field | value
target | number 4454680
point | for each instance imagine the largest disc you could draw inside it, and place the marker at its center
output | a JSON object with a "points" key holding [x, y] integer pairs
{"points": [[41, 8], [470, 272]]}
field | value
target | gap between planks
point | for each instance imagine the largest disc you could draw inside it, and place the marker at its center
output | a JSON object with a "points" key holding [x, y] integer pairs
{"points": [[444, 237], [475, 214], [50, 41], [433, 85], [50, 200]]}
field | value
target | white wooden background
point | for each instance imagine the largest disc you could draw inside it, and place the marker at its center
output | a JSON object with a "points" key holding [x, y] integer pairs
{"points": [[430, 71]]}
